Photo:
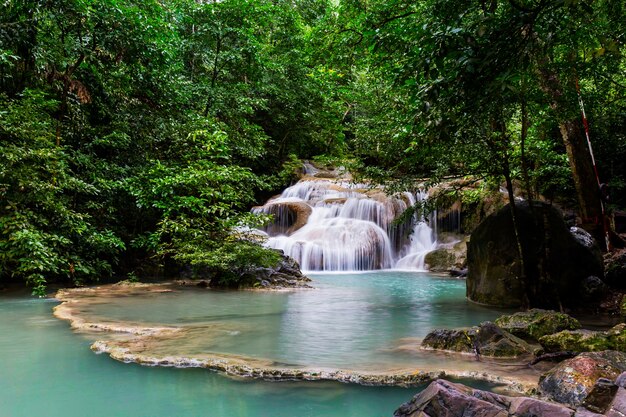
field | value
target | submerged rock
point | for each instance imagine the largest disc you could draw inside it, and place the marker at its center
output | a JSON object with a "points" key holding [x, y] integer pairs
{"points": [[586, 340], [571, 381], [446, 399], [486, 340], [558, 260], [536, 323]]}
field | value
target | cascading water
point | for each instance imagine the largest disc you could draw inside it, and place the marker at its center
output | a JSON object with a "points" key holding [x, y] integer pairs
{"points": [[334, 225]]}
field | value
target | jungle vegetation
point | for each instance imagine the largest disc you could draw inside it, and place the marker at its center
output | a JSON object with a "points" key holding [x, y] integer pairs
{"points": [[136, 135]]}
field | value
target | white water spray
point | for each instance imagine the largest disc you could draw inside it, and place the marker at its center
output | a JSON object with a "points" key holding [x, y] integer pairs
{"points": [[333, 225]]}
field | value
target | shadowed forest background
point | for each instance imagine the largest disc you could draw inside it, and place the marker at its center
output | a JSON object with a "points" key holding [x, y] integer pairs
{"points": [[136, 135]]}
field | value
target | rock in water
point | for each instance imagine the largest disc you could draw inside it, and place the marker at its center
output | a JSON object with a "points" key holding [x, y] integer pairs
{"points": [[571, 381], [448, 257], [446, 399], [533, 324], [558, 260], [486, 340]]}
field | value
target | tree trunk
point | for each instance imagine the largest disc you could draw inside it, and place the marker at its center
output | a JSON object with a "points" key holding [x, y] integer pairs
{"points": [[585, 181], [574, 139], [523, 277]]}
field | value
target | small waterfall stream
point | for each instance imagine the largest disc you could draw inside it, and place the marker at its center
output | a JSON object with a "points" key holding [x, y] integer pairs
{"points": [[335, 225]]}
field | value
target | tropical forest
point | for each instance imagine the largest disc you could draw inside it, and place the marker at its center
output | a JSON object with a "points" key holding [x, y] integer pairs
{"points": [[312, 208]]}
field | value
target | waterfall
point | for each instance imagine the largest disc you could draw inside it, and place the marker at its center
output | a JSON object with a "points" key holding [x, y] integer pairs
{"points": [[335, 225]]}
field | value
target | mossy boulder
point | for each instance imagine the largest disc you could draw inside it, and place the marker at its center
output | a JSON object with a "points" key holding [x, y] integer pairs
{"points": [[586, 340], [439, 260], [449, 256], [486, 340], [535, 323], [571, 381]]}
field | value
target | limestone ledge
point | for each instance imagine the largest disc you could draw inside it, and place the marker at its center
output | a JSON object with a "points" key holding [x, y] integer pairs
{"points": [[261, 369], [72, 298]]}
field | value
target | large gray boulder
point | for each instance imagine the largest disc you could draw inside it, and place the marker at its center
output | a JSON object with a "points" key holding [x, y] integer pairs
{"points": [[558, 259]]}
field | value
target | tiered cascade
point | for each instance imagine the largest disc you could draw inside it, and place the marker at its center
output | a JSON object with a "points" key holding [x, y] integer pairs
{"points": [[336, 225]]}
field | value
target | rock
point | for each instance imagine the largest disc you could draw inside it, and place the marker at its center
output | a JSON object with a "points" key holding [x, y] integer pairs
{"points": [[460, 273], [601, 396], [618, 405], [488, 339], [556, 265], [586, 340], [577, 340], [447, 399], [583, 412], [593, 289], [451, 256], [571, 381], [203, 284], [620, 381], [443, 398], [525, 407], [448, 216], [615, 266], [286, 274], [289, 216], [439, 260], [325, 174], [536, 323], [455, 340]]}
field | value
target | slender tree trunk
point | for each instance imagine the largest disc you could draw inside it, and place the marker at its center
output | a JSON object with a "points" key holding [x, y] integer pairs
{"points": [[216, 71], [524, 135], [587, 191], [520, 248], [582, 170]]}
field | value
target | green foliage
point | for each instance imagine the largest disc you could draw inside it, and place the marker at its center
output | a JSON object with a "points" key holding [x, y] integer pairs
{"points": [[141, 133], [444, 88], [41, 235]]}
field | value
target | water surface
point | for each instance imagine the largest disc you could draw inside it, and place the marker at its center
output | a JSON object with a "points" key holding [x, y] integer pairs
{"points": [[47, 370], [365, 321]]}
